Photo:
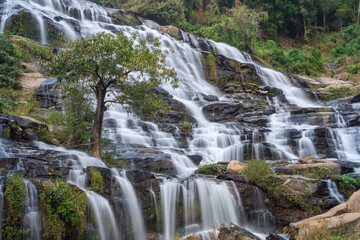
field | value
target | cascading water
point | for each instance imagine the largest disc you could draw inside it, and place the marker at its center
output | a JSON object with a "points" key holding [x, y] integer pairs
{"points": [[132, 205], [205, 201], [32, 223], [103, 221], [334, 192]]}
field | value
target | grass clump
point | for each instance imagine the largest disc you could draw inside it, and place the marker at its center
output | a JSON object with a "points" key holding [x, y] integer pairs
{"points": [[15, 196], [96, 181], [28, 49], [65, 210], [348, 185], [186, 127], [213, 169], [257, 172], [336, 93]]}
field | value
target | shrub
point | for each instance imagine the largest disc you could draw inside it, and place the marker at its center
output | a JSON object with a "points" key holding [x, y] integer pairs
{"points": [[65, 210], [257, 172], [96, 181], [10, 68], [348, 185], [15, 196]]}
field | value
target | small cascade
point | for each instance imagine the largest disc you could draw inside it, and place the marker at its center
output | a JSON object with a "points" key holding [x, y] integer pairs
{"points": [[32, 223], [269, 77], [334, 192], [1, 200], [261, 218], [103, 220], [199, 212], [306, 146], [132, 205]]}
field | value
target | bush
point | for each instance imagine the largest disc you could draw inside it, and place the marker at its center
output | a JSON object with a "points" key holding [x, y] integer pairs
{"points": [[213, 169], [65, 210], [15, 196], [10, 68], [96, 181], [348, 185], [257, 172]]}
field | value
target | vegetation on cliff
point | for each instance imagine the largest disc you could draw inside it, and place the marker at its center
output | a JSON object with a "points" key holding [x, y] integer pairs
{"points": [[105, 63], [65, 210]]}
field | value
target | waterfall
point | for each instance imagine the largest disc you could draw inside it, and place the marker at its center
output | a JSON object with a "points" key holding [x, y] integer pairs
{"points": [[32, 223], [132, 205], [334, 192], [200, 213], [104, 219]]}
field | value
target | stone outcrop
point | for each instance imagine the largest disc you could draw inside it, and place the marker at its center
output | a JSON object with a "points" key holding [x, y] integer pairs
{"points": [[346, 215], [235, 167], [233, 232]]}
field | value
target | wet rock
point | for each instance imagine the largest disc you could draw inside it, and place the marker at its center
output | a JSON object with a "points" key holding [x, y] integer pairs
{"points": [[234, 232], [171, 30], [196, 159], [355, 99], [232, 177], [8, 163], [210, 98], [274, 237], [124, 17]]}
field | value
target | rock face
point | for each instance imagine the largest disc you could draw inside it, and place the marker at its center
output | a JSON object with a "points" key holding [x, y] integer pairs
{"points": [[233, 232], [235, 167], [344, 215]]}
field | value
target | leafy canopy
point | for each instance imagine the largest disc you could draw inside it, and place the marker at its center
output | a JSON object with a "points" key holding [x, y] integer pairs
{"points": [[106, 59]]}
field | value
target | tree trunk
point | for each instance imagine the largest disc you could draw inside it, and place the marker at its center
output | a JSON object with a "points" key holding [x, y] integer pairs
{"points": [[305, 33], [96, 129]]}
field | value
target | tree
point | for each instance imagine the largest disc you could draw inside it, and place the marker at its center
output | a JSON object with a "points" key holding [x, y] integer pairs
{"points": [[105, 63]]}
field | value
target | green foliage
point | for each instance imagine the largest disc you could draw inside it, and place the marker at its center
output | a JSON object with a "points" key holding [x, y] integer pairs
{"points": [[316, 173], [10, 69], [104, 60], [213, 169], [96, 181], [72, 126], [348, 185], [291, 61], [186, 127], [257, 172], [24, 25], [65, 210], [15, 197], [336, 93], [28, 48]]}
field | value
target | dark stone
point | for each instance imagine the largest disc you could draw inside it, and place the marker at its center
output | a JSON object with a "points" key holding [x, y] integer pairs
{"points": [[233, 232], [355, 99], [232, 177], [274, 237], [195, 158]]}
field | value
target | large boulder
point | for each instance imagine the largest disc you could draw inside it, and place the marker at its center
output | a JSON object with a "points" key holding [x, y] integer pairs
{"points": [[235, 167], [346, 215], [234, 232]]}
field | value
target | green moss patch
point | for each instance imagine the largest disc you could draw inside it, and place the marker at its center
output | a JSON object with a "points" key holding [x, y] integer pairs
{"points": [[65, 210]]}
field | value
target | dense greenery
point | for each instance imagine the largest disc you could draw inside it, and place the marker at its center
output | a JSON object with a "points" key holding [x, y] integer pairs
{"points": [[65, 210], [15, 202], [348, 185], [10, 69], [96, 181], [104, 64], [213, 169]]}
